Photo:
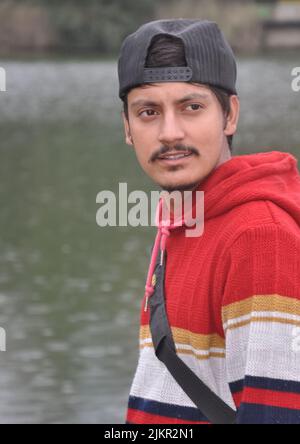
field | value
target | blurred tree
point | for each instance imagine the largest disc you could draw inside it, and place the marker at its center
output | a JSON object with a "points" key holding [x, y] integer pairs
{"points": [[97, 25]]}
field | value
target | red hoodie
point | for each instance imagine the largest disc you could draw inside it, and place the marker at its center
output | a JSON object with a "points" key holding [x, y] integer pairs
{"points": [[232, 298]]}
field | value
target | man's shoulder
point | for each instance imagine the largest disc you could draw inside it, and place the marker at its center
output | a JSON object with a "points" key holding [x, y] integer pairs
{"points": [[259, 218]]}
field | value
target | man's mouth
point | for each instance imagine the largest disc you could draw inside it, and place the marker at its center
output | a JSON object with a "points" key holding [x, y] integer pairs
{"points": [[173, 156]]}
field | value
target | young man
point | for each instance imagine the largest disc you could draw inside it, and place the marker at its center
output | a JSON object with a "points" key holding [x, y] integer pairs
{"points": [[232, 295]]}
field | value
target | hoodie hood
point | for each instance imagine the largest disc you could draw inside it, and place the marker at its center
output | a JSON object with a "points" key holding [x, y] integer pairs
{"points": [[271, 176]]}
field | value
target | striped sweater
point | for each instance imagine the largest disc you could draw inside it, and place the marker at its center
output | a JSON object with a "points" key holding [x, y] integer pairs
{"points": [[233, 300]]}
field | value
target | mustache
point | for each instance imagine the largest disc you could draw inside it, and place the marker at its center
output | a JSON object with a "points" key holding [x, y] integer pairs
{"points": [[166, 149]]}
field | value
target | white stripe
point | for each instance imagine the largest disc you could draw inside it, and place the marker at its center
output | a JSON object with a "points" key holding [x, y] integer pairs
{"points": [[145, 341], [188, 347], [153, 381], [261, 314], [262, 349], [199, 351]]}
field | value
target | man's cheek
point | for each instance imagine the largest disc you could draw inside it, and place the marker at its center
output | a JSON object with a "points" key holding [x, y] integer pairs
{"points": [[144, 161]]}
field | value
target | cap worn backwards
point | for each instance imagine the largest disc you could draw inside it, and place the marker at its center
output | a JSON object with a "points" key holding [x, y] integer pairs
{"points": [[210, 59]]}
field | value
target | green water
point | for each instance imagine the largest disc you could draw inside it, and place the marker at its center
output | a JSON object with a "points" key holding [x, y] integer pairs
{"points": [[69, 290]]}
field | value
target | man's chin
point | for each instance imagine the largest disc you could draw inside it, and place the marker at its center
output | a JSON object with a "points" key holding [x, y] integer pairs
{"points": [[179, 187]]}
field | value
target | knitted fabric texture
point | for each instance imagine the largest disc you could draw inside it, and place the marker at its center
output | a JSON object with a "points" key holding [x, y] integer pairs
{"points": [[233, 300]]}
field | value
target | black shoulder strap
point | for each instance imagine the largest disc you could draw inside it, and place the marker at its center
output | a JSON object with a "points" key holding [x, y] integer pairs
{"points": [[213, 407]]}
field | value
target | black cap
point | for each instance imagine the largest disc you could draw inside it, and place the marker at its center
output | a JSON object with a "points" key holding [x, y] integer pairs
{"points": [[210, 59]]}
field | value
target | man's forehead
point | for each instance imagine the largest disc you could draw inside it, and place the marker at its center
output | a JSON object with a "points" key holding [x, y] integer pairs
{"points": [[176, 92]]}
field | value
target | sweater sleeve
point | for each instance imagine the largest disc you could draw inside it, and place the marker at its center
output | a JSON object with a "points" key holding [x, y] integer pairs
{"points": [[261, 322]]}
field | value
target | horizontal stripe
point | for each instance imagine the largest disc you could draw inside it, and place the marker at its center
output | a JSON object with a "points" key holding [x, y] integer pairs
{"points": [[153, 381], [274, 392], [187, 343], [200, 352], [262, 315], [270, 319], [186, 337], [165, 410], [237, 386], [237, 397], [263, 350], [138, 417], [186, 350], [261, 303], [199, 356], [271, 398], [278, 385], [260, 414]]}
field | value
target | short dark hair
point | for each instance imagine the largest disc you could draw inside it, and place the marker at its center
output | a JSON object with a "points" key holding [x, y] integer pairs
{"points": [[167, 50]]}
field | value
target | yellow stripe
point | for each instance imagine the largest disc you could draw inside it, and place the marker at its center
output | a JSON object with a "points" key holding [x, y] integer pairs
{"points": [[185, 337], [198, 341], [270, 302], [263, 319], [147, 344], [190, 352], [201, 357]]}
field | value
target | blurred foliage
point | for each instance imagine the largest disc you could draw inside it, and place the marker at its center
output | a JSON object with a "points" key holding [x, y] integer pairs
{"points": [[100, 26], [97, 25]]}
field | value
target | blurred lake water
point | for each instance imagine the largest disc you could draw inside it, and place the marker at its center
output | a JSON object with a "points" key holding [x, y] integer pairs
{"points": [[70, 291]]}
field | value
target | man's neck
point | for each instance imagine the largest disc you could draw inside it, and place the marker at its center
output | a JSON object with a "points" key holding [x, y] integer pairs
{"points": [[226, 155]]}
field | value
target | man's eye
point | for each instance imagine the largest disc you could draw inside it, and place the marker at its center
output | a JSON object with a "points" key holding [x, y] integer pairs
{"points": [[194, 106], [148, 113]]}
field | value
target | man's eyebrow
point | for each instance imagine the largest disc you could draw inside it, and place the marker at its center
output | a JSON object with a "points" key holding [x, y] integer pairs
{"points": [[143, 102], [193, 96]]}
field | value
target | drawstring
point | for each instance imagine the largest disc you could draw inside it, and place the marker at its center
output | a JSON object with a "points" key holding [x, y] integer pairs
{"points": [[164, 228], [160, 244]]}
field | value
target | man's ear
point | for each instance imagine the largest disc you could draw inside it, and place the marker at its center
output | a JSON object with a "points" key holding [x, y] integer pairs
{"points": [[128, 138], [233, 116]]}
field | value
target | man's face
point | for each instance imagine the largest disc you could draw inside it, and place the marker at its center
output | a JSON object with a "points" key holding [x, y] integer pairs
{"points": [[178, 131]]}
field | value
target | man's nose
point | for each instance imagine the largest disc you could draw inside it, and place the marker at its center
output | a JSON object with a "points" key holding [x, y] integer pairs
{"points": [[170, 130]]}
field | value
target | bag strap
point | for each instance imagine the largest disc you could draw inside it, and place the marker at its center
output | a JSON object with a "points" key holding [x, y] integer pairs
{"points": [[211, 405]]}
